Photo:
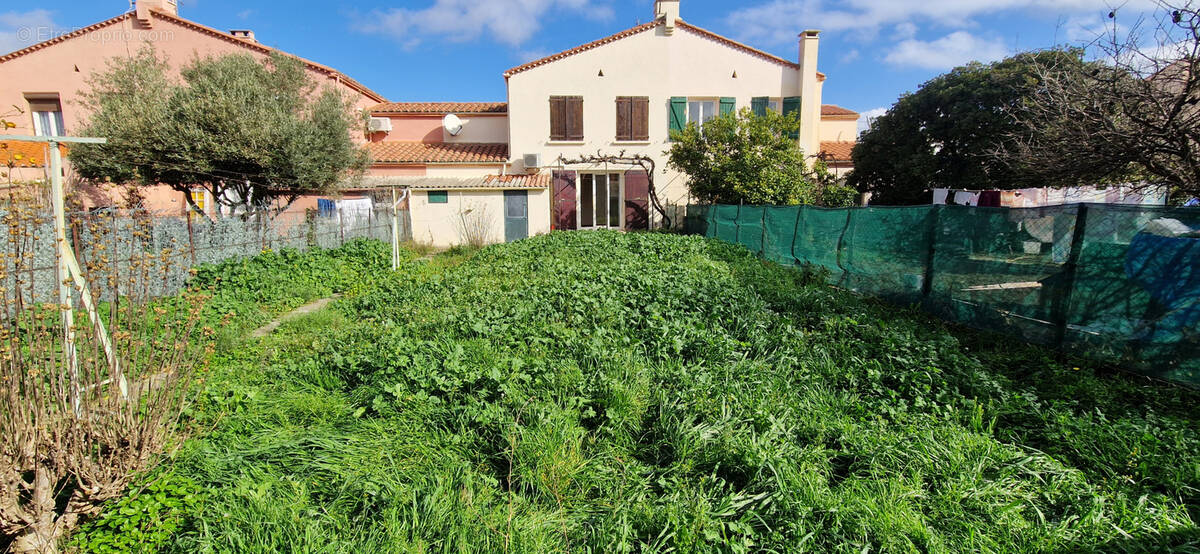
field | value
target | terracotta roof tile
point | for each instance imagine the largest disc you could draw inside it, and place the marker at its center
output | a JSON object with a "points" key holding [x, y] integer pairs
{"points": [[646, 27], [836, 151], [203, 29], [830, 109], [397, 152], [440, 107], [481, 182]]}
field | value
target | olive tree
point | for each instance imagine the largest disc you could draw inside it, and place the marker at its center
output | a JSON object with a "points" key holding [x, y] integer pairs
{"points": [[252, 133]]}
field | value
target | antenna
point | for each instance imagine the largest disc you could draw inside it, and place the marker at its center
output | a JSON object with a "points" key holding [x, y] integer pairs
{"points": [[452, 124]]}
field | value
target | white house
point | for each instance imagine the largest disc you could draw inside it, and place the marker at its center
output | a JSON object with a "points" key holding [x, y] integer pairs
{"points": [[626, 92]]}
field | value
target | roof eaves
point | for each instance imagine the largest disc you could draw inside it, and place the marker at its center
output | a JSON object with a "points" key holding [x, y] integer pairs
{"points": [[64, 37]]}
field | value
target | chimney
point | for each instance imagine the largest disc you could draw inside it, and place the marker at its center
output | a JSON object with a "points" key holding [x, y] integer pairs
{"points": [[142, 9], [810, 93], [668, 11], [244, 34]]}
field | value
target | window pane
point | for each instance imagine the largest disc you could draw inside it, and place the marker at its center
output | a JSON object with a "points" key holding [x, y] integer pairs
{"points": [[694, 112], [614, 201], [773, 105], [438, 197], [59, 129], [514, 205], [43, 126], [586, 201], [710, 111], [601, 200]]}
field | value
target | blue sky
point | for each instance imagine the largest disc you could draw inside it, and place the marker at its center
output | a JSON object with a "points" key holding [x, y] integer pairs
{"points": [[456, 50]]}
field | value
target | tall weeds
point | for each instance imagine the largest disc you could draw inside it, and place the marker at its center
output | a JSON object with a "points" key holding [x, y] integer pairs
{"points": [[72, 435]]}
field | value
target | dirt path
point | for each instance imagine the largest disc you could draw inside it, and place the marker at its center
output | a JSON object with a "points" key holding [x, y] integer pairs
{"points": [[302, 310]]}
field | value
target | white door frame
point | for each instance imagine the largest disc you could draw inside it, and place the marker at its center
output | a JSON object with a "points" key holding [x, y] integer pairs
{"points": [[620, 175]]}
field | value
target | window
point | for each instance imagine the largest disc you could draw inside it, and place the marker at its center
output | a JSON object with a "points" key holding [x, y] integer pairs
{"points": [[438, 197], [701, 111], [600, 200], [199, 204], [566, 118], [633, 118], [47, 116], [775, 105]]}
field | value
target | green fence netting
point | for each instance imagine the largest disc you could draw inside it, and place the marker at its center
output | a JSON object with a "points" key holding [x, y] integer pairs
{"points": [[1117, 283]]}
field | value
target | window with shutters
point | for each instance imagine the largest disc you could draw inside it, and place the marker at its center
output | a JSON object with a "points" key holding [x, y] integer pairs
{"points": [[47, 116], [700, 111], [566, 118], [633, 118]]}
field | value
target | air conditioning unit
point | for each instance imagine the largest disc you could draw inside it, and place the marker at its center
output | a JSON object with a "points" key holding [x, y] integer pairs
{"points": [[533, 161], [379, 125]]}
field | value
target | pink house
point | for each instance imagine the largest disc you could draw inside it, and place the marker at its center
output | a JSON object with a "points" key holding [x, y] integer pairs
{"points": [[44, 81]]}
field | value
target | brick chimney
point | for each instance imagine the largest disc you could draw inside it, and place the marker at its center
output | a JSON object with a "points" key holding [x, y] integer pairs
{"points": [[668, 11], [144, 7], [810, 93]]}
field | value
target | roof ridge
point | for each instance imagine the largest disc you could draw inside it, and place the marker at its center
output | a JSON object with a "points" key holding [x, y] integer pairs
{"points": [[268, 49], [645, 27], [198, 27], [64, 37]]}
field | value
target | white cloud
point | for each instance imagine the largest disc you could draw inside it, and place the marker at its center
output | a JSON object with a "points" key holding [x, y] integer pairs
{"points": [[21, 29], [952, 50], [851, 55], [778, 21], [865, 118], [510, 22]]}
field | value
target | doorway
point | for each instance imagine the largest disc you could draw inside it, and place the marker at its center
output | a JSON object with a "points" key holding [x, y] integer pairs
{"points": [[600, 201]]}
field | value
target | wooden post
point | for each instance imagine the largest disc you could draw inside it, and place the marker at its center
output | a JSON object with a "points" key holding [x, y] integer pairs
{"points": [[69, 272]]}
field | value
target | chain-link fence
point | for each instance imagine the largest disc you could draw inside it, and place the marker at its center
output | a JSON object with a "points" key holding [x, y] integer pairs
{"points": [[1113, 282], [110, 237]]}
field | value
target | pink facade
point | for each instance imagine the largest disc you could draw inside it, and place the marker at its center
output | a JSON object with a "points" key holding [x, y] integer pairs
{"points": [[56, 71]]}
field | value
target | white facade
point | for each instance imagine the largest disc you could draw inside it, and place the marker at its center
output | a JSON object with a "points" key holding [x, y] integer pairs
{"points": [[665, 59]]}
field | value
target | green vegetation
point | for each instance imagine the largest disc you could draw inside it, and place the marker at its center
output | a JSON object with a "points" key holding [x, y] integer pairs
{"points": [[754, 159], [609, 392], [249, 132]]}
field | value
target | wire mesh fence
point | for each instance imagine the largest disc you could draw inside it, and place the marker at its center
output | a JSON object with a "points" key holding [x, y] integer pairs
{"points": [[112, 236], [1117, 283]]}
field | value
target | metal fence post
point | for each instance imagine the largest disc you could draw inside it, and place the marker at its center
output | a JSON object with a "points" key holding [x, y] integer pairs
{"points": [[931, 245], [737, 225], [800, 212], [762, 245], [1062, 307]]}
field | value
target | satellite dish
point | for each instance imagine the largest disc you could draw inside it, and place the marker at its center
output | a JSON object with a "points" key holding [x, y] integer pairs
{"points": [[452, 124]]}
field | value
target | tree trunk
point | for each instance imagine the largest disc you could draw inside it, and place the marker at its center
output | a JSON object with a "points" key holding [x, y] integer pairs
{"points": [[41, 536]]}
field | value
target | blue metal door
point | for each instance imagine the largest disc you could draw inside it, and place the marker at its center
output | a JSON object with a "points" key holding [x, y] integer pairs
{"points": [[516, 215]]}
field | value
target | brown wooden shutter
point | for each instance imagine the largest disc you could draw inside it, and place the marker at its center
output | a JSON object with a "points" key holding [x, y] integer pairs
{"points": [[564, 200], [641, 118], [574, 118], [558, 118], [637, 200], [624, 118]]}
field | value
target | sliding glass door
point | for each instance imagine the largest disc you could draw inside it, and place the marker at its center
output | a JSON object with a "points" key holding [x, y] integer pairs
{"points": [[600, 201]]}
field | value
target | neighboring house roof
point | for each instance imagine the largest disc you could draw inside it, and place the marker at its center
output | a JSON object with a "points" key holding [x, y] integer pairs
{"points": [[646, 27], [333, 73], [440, 108], [24, 154], [836, 151], [484, 182], [397, 152], [830, 110]]}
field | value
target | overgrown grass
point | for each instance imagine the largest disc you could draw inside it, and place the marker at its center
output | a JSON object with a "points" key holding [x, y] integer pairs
{"points": [[611, 392]]}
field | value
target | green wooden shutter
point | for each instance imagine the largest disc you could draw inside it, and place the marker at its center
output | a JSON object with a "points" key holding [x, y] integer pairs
{"points": [[678, 113], [791, 105], [759, 104], [728, 105]]}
